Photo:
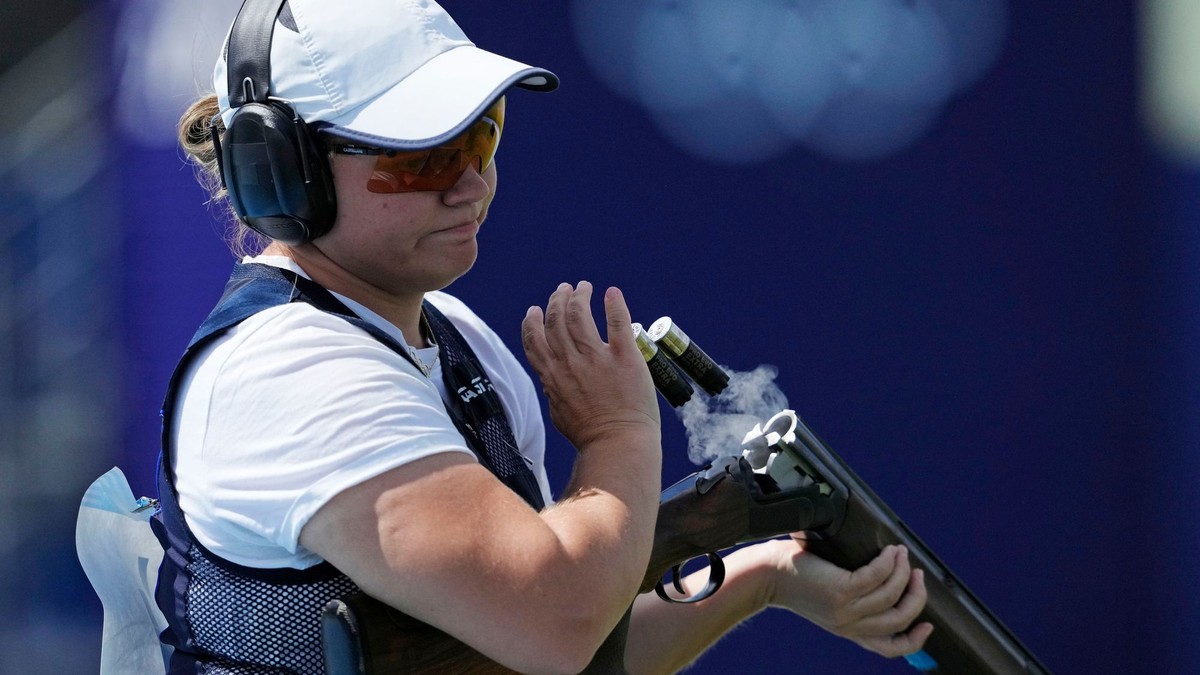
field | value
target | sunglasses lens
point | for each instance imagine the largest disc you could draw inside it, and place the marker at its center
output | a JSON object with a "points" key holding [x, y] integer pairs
{"points": [[440, 168]]}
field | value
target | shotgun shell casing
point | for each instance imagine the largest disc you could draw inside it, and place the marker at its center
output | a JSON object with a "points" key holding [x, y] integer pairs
{"points": [[694, 362], [668, 378]]}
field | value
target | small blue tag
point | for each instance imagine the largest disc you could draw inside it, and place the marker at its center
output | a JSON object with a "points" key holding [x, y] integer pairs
{"points": [[921, 661]]}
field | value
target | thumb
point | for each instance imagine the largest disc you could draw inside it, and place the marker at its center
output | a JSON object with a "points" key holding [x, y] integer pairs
{"points": [[620, 324]]}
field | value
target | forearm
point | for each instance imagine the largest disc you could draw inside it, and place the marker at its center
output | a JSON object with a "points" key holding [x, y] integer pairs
{"points": [[605, 521], [665, 637], [530, 590]]}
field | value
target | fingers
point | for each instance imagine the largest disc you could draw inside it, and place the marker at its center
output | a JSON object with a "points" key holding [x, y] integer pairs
{"points": [[895, 618], [580, 324], [595, 390], [915, 596], [874, 605], [569, 326], [558, 340], [533, 338], [888, 589], [893, 594], [567, 329], [619, 322], [890, 632], [900, 644], [871, 576]]}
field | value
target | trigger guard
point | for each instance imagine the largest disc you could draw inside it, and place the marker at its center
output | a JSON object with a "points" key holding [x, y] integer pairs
{"points": [[716, 577]]}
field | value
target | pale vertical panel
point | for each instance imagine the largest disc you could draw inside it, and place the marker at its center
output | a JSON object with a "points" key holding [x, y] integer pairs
{"points": [[1170, 32]]}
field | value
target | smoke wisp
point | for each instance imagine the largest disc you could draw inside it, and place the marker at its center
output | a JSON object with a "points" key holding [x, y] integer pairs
{"points": [[716, 425]]}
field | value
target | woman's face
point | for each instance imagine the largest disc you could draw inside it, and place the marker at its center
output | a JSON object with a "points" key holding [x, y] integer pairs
{"points": [[410, 242]]}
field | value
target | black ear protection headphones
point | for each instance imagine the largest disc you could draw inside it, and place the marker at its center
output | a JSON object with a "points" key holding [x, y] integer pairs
{"points": [[276, 173]]}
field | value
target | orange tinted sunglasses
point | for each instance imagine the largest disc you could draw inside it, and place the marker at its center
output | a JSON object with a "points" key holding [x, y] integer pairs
{"points": [[437, 168]]}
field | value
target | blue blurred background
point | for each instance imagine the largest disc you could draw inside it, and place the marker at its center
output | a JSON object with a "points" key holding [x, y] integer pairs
{"points": [[968, 239]]}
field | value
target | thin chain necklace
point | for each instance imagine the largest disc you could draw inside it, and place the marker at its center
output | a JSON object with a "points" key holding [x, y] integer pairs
{"points": [[427, 334]]}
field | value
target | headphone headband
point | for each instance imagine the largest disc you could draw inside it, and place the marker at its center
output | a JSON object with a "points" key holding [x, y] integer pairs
{"points": [[249, 40], [276, 174]]}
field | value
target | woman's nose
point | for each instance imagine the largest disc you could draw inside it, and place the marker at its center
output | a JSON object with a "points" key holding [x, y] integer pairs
{"points": [[470, 187]]}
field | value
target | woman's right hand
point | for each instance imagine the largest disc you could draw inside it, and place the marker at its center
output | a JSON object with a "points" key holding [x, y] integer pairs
{"points": [[596, 389]]}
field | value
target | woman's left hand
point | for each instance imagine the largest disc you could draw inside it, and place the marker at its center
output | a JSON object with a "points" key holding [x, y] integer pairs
{"points": [[873, 606]]}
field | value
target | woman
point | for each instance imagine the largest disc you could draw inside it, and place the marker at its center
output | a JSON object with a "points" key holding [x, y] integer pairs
{"points": [[340, 424]]}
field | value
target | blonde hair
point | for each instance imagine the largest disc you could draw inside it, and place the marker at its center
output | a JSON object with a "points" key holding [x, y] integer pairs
{"points": [[195, 138]]}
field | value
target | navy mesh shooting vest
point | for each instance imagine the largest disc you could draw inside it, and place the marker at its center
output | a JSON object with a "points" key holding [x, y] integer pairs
{"points": [[226, 618]]}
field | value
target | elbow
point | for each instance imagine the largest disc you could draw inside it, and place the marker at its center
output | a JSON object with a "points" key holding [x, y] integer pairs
{"points": [[587, 639], [565, 620], [561, 663], [568, 648]]}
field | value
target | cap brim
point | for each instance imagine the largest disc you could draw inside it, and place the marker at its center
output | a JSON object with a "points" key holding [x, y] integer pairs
{"points": [[438, 101]]}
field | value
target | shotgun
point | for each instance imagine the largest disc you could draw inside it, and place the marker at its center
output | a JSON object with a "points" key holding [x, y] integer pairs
{"points": [[797, 485], [785, 480]]}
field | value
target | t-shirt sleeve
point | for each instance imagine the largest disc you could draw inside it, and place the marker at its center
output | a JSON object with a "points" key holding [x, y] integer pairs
{"points": [[284, 412]]}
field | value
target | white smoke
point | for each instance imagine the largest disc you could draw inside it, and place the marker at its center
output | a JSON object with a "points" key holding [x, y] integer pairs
{"points": [[716, 425]]}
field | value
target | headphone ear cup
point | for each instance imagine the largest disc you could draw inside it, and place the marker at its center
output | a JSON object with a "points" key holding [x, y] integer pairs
{"points": [[277, 175]]}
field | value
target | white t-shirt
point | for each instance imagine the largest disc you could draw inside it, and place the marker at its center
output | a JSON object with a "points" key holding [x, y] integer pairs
{"points": [[293, 405]]}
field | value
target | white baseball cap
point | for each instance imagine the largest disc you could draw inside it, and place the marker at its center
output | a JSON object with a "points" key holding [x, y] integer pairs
{"points": [[396, 74]]}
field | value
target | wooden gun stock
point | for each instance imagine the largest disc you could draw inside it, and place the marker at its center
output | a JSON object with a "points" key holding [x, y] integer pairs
{"points": [[723, 505], [362, 636]]}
